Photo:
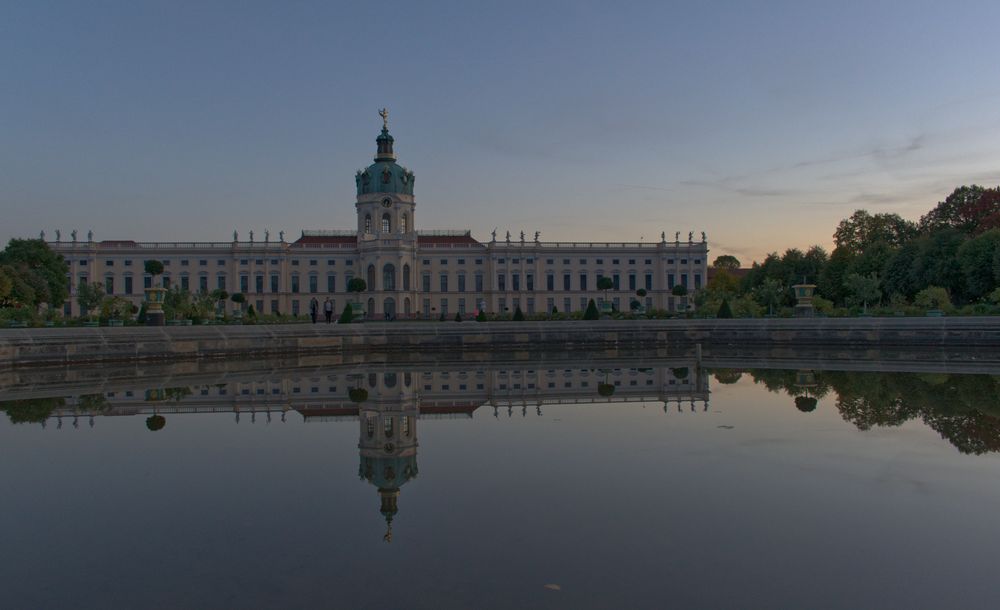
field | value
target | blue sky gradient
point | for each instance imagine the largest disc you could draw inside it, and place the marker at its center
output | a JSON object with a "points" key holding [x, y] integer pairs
{"points": [[762, 123]]}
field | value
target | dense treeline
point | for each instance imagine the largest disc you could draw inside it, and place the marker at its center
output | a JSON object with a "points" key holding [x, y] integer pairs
{"points": [[950, 257]]}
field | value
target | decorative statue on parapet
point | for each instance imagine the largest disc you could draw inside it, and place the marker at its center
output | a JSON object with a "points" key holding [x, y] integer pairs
{"points": [[251, 235], [90, 235], [41, 235], [494, 234], [690, 236], [537, 233], [508, 237], [522, 237], [236, 236], [267, 235], [663, 237], [58, 235], [72, 234], [703, 238], [677, 236], [281, 236], [385, 118]]}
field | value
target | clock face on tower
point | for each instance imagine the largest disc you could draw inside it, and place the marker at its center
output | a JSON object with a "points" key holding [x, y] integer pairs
{"points": [[386, 202]]}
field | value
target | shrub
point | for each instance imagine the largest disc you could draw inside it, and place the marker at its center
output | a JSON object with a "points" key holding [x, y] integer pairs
{"points": [[358, 394], [347, 316], [481, 316], [933, 297], [518, 314], [591, 313], [605, 389], [805, 403], [458, 317], [155, 422], [724, 310]]}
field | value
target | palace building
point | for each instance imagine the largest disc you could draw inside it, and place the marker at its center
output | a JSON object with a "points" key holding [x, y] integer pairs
{"points": [[409, 273]]}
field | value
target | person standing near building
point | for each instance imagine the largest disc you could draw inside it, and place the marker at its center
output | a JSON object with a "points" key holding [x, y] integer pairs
{"points": [[328, 309], [313, 309]]}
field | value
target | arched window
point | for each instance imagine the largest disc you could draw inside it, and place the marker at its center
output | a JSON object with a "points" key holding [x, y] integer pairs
{"points": [[389, 277], [386, 223], [404, 424], [402, 223], [389, 380], [371, 277], [406, 277], [387, 427], [370, 426], [368, 223]]}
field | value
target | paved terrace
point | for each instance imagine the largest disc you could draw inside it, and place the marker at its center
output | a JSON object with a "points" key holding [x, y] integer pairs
{"points": [[475, 340]]}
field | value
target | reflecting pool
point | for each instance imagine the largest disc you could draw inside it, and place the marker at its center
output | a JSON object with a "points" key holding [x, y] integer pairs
{"points": [[553, 484]]}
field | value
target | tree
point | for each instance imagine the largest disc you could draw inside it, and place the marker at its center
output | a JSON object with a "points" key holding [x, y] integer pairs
{"points": [[969, 209], [769, 294], [977, 258], [153, 268], [356, 285], [862, 229], [727, 262], [641, 293], [481, 316], [155, 422], [679, 290], [591, 313], [89, 296], [40, 266], [605, 284], [831, 279], [864, 288], [458, 317], [518, 314]]}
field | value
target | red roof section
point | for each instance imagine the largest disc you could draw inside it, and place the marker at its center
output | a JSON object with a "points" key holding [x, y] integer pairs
{"points": [[326, 239], [448, 239]]}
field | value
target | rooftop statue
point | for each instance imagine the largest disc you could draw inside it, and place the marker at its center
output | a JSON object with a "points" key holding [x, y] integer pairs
{"points": [[385, 118]]}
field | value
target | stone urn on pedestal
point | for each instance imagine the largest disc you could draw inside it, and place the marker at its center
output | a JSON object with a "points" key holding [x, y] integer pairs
{"points": [[154, 295], [803, 296]]}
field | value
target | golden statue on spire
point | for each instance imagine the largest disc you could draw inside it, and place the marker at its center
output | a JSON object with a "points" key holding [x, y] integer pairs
{"points": [[385, 118]]}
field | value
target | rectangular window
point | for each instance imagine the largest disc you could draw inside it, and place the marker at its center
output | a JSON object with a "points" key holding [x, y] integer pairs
{"points": [[529, 279], [567, 304], [220, 282], [203, 283], [631, 281], [128, 262], [461, 283], [550, 282], [147, 281], [295, 262], [202, 263], [128, 284], [427, 307], [274, 283], [583, 303], [109, 263], [184, 262], [295, 307], [697, 281], [258, 284], [516, 280], [295, 284], [649, 281], [313, 284], [461, 306], [426, 282], [109, 285], [684, 280], [600, 261], [461, 261], [444, 307], [501, 282], [617, 278], [444, 282], [531, 305], [567, 278], [331, 262], [684, 261], [185, 283], [313, 262], [583, 282], [444, 261], [166, 281], [670, 281], [479, 261], [549, 304], [479, 282], [331, 283], [274, 307]]}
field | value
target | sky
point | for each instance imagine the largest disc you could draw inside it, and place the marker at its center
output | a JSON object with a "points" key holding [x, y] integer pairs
{"points": [[761, 123]]}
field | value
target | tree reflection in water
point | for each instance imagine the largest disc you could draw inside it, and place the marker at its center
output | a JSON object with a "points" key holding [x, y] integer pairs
{"points": [[963, 409]]}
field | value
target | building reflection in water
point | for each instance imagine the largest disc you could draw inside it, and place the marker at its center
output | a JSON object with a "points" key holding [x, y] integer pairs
{"points": [[387, 405]]}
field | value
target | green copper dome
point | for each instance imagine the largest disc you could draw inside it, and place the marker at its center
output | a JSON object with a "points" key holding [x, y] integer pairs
{"points": [[385, 175]]}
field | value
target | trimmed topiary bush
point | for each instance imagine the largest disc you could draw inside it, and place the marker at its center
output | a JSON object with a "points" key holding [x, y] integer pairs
{"points": [[518, 314], [591, 313]]}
